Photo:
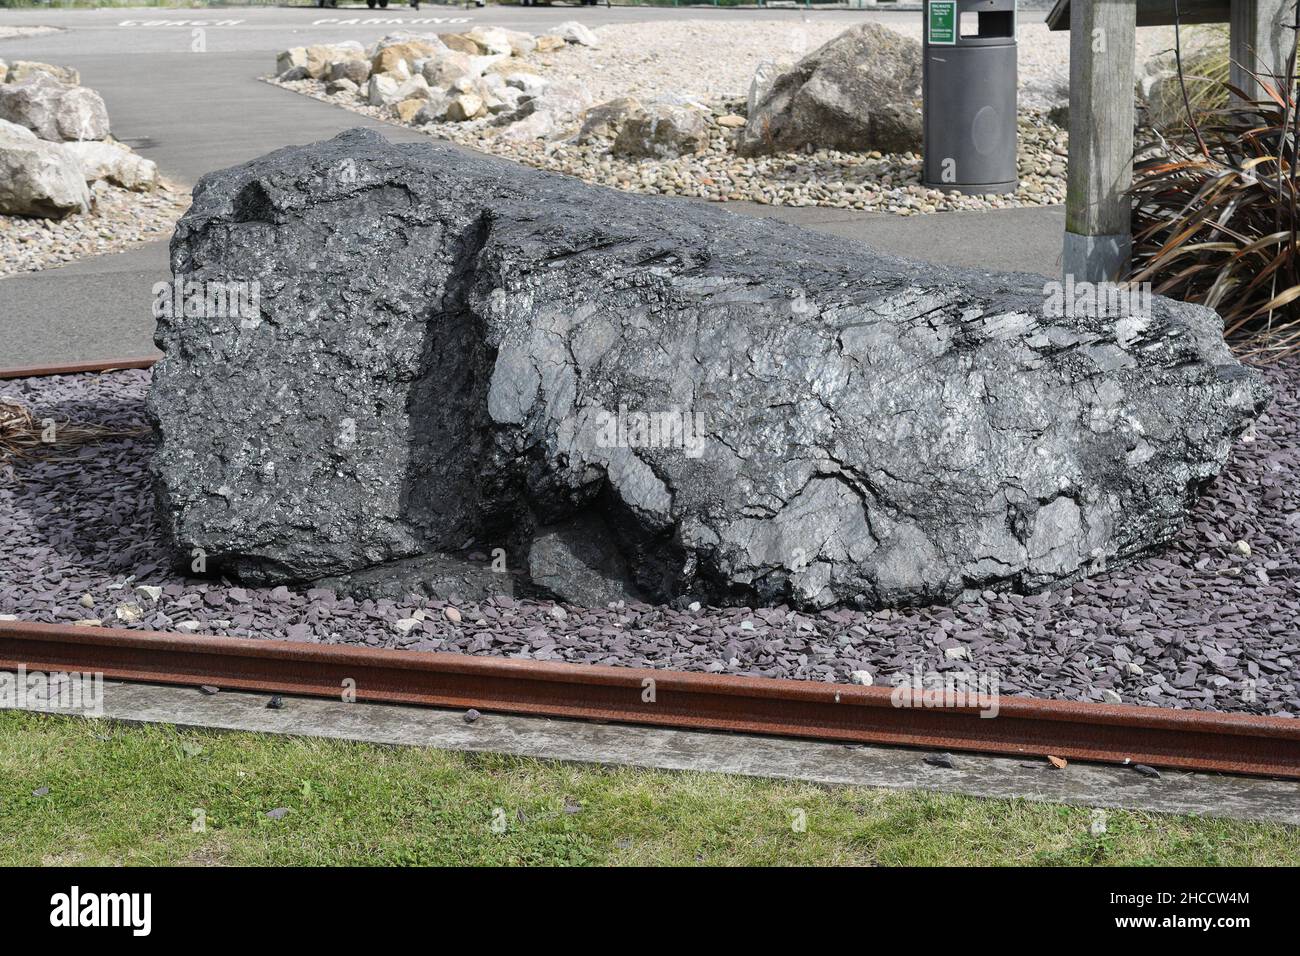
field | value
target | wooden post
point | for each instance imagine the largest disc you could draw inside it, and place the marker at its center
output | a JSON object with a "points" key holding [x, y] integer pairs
{"points": [[1259, 41], [1103, 34]]}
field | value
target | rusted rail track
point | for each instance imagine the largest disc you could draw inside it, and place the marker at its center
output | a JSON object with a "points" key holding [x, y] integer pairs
{"points": [[1192, 740], [99, 365]]}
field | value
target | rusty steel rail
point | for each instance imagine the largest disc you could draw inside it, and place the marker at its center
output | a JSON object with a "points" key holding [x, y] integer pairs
{"points": [[1191, 740], [75, 368]]}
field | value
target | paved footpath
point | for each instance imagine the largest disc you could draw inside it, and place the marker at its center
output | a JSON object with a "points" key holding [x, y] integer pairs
{"points": [[193, 112]]}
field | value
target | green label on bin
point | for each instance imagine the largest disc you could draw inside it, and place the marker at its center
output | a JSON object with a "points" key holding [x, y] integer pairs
{"points": [[941, 23]]}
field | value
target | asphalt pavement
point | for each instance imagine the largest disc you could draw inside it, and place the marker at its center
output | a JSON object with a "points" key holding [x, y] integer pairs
{"points": [[182, 88]]}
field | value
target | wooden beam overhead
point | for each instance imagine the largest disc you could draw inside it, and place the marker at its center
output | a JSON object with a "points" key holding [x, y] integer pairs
{"points": [[1155, 13]]}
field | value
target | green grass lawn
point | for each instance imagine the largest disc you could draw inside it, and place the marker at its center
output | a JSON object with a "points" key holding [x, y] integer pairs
{"points": [[131, 795]]}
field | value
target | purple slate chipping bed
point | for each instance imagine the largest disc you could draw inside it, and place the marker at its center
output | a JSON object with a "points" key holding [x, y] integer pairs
{"points": [[1209, 623]]}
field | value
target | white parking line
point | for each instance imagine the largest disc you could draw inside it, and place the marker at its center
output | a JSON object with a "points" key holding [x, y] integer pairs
{"points": [[324, 21], [386, 21], [180, 23]]}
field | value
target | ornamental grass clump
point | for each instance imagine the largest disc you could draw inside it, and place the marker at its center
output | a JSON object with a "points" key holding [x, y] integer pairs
{"points": [[23, 435], [1214, 204], [1215, 221]]}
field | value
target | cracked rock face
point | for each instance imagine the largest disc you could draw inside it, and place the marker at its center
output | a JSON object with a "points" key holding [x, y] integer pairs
{"points": [[450, 351], [860, 90], [53, 110]]}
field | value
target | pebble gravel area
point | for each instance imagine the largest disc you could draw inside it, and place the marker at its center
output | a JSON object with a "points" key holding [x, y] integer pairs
{"points": [[1211, 622], [712, 64], [120, 218]]}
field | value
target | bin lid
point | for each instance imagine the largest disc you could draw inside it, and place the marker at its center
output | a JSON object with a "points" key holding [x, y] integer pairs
{"points": [[1155, 13], [943, 23]]}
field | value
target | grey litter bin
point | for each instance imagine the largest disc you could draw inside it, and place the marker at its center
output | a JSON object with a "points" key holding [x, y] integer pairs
{"points": [[969, 91]]}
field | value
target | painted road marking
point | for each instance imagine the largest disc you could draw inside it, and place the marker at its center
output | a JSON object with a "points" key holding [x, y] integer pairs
{"points": [[323, 22], [180, 23], [386, 21]]}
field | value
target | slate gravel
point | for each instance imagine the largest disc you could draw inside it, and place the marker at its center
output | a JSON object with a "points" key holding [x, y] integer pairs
{"points": [[1209, 623]]}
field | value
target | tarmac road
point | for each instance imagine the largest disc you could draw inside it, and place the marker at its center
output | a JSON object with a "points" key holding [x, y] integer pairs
{"points": [[182, 88], [126, 31], [181, 85]]}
